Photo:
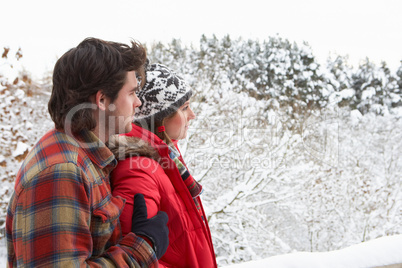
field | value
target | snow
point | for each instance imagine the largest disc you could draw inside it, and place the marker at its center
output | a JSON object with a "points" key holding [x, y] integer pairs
{"points": [[21, 149], [3, 253], [355, 117], [19, 93], [320, 190], [347, 93], [368, 93], [379, 252]]}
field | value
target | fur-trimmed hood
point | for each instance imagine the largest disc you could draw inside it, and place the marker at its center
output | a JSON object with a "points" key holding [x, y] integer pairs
{"points": [[125, 146]]}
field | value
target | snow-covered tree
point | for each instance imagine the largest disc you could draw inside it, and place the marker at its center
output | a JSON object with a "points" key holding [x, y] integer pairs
{"points": [[376, 89]]}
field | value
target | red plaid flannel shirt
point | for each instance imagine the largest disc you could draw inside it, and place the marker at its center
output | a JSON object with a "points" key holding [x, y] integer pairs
{"points": [[62, 212]]}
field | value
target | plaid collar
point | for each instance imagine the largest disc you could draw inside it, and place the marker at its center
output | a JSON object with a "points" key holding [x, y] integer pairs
{"points": [[96, 150]]}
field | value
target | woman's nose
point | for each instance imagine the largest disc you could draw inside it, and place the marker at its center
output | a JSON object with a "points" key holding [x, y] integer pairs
{"points": [[192, 114]]}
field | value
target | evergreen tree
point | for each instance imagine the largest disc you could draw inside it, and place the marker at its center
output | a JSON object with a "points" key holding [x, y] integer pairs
{"points": [[376, 89], [339, 80], [398, 90]]}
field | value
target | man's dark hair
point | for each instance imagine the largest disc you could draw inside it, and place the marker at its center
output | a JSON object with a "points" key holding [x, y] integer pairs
{"points": [[84, 70]]}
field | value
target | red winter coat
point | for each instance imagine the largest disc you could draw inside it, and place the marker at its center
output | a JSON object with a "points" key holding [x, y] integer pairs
{"points": [[190, 243]]}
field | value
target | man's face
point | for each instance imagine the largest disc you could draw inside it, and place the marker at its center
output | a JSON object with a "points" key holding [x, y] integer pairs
{"points": [[120, 113]]}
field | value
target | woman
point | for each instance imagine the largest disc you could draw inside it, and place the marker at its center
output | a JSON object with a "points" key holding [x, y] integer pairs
{"points": [[150, 163]]}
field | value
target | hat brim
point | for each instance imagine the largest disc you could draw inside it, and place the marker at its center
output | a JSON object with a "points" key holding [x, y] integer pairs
{"points": [[168, 111]]}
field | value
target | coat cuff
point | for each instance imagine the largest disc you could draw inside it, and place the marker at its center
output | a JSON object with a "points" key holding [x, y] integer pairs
{"points": [[140, 250]]}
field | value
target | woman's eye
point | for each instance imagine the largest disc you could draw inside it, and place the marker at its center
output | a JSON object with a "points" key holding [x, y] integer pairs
{"points": [[185, 108]]}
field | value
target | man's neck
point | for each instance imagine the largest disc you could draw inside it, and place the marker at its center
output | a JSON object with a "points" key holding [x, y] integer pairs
{"points": [[102, 135]]}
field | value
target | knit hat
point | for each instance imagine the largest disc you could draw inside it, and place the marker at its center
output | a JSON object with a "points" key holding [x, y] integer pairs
{"points": [[163, 93]]}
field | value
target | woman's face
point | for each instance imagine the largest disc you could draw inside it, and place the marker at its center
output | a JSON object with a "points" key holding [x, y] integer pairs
{"points": [[177, 126]]}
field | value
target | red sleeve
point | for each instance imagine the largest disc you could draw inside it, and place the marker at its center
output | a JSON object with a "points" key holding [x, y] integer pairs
{"points": [[129, 179]]}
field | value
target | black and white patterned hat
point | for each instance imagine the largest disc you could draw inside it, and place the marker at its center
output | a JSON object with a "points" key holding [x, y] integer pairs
{"points": [[163, 93]]}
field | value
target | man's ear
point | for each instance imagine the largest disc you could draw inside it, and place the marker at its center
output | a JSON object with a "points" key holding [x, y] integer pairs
{"points": [[100, 100]]}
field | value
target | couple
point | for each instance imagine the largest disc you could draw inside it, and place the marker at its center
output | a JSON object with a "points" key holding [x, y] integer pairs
{"points": [[75, 205]]}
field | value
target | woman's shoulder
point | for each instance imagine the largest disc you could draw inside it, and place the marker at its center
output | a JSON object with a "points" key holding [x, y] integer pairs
{"points": [[143, 163], [139, 164], [141, 171]]}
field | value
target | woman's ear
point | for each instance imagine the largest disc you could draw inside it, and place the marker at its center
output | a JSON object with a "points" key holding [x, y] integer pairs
{"points": [[100, 100]]}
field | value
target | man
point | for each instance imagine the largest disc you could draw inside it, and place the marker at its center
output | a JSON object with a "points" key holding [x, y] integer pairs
{"points": [[62, 212]]}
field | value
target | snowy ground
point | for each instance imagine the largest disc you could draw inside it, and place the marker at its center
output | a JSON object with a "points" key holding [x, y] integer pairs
{"points": [[375, 253]]}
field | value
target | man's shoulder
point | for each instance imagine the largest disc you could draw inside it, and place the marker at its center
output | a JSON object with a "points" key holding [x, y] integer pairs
{"points": [[54, 149]]}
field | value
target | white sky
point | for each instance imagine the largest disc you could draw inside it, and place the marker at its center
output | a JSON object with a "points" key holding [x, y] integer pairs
{"points": [[45, 29]]}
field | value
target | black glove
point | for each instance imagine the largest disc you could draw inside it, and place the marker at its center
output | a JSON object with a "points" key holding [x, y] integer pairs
{"points": [[155, 229]]}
